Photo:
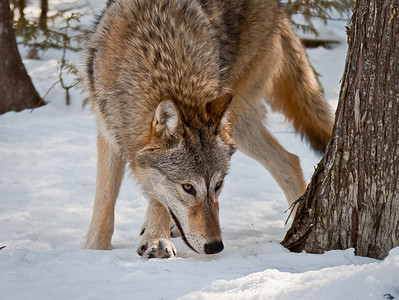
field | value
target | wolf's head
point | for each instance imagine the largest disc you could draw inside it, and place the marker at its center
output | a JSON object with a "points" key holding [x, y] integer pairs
{"points": [[183, 167]]}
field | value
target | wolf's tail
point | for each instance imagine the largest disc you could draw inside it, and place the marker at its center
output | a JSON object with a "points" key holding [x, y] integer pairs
{"points": [[295, 91]]}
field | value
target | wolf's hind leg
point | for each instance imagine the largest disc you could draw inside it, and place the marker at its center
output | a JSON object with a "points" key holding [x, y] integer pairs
{"points": [[155, 241], [253, 139], [110, 171]]}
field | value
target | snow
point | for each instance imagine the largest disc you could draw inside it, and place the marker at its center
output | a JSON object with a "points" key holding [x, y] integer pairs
{"points": [[47, 183]]}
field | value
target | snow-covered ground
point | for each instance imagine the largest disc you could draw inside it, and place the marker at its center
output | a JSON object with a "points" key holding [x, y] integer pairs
{"points": [[47, 182]]}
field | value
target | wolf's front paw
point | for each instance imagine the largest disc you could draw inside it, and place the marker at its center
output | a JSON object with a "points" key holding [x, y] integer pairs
{"points": [[156, 248]]}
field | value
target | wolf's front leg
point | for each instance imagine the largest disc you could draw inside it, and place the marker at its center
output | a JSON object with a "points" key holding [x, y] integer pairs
{"points": [[110, 170], [155, 241]]}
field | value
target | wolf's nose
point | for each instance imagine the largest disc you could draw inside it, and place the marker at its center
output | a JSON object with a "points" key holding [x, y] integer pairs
{"points": [[214, 247]]}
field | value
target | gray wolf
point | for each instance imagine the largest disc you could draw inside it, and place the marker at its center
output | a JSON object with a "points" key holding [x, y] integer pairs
{"points": [[177, 86]]}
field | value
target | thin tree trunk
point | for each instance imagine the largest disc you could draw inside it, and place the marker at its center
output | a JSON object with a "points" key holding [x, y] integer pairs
{"points": [[353, 197], [21, 6], [16, 89], [43, 15]]}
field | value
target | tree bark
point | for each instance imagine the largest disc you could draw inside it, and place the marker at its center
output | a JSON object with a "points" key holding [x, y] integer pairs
{"points": [[43, 15], [21, 6], [16, 88], [353, 197]]}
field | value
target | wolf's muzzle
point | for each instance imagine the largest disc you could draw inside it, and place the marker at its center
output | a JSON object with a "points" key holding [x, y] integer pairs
{"points": [[214, 247]]}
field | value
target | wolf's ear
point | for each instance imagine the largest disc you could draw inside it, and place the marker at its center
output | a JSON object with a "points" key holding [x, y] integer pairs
{"points": [[166, 119], [217, 107]]}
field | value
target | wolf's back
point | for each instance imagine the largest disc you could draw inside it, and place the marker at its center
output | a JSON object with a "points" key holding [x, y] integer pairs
{"points": [[190, 50]]}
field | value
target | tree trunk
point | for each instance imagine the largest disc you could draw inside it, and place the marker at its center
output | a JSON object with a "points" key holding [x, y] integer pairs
{"points": [[353, 197], [21, 6], [43, 15], [16, 89]]}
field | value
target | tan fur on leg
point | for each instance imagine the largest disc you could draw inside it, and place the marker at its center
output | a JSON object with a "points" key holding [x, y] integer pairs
{"points": [[110, 170], [253, 139], [155, 241]]}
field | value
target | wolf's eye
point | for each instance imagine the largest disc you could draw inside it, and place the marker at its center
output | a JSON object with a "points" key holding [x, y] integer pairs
{"points": [[218, 185], [188, 188]]}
